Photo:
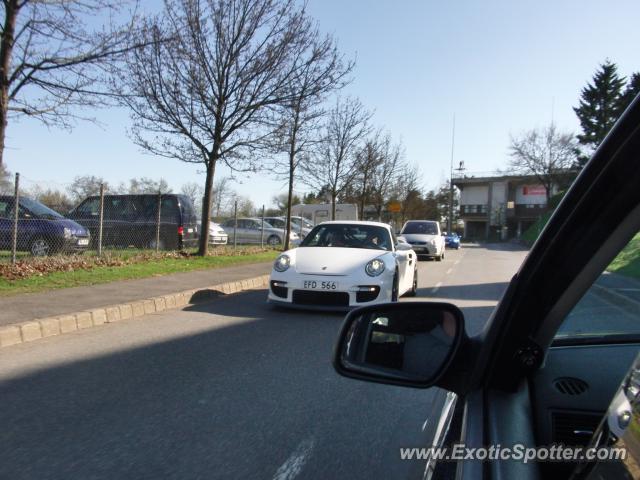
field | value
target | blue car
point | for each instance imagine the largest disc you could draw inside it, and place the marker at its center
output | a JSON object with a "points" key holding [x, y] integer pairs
{"points": [[41, 230], [451, 240]]}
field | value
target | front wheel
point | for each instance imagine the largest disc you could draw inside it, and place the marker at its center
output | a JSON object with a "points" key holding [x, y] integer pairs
{"points": [[414, 287], [395, 288], [273, 240], [41, 247]]}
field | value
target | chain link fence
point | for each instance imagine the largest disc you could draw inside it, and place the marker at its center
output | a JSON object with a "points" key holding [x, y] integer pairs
{"points": [[46, 218]]}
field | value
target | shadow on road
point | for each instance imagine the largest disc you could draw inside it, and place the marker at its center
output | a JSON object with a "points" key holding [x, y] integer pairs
{"points": [[230, 402], [505, 246], [477, 291]]}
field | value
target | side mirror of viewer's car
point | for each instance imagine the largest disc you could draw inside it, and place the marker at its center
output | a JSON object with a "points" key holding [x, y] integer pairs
{"points": [[409, 343]]}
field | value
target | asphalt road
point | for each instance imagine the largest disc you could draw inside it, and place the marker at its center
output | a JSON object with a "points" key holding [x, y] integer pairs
{"points": [[229, 389]]}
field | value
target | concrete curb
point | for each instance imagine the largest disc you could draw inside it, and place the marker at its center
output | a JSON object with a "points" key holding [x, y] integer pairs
{"points": [[47, 327]]}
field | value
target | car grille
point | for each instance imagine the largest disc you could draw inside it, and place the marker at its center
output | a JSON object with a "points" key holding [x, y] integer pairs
{"points": [[331, 299]]}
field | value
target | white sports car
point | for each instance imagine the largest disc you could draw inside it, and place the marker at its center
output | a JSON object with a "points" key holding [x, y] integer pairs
{"points": [[342, 265]]}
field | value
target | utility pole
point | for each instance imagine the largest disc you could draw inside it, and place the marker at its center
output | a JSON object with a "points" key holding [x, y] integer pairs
{"points": [[453, 138]]}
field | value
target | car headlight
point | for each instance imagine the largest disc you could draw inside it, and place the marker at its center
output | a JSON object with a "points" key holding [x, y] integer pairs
{"points": [[282, 263], [294, 235], [374, 268], [66, 232], [432, 241]]}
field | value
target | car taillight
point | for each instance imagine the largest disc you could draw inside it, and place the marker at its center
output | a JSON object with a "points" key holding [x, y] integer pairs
{"points": [[180, 230]]}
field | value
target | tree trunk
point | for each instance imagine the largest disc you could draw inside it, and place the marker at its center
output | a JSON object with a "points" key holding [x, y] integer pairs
{"points": [[206, 206], [289, 200], [6, 48], [334, 196]]}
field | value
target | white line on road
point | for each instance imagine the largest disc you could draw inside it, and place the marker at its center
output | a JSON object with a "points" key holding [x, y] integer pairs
{"points": [[435, 289], [449, 271], [293, 466]]}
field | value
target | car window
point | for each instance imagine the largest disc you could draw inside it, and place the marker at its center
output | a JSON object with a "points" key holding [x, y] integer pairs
{"points": [[89, 208], [5, 208], [424, 228], [349, 236], [37, 209], [611, 307], [119, 207]]}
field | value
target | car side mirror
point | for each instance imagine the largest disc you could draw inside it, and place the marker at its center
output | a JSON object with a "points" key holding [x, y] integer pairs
{"points": [[403, 247], [409, 344]]}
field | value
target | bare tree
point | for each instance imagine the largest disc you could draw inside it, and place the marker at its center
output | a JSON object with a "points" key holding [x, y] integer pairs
{"points": [[6, 183], [322, 70], [53, 55], [145, 185], [205, 95], [85, 186], [547, 154], [334, 162], [406, 189], [380, 165], [367, 159], [222, 195]]}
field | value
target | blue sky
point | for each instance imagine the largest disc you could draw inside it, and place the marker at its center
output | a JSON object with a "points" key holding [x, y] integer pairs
{"points": [[502, 67]]}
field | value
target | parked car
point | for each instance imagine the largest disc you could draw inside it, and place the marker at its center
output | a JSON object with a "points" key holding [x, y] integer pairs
{"points": [[41, 231], [425, 238], [217, 235], [250, 230], [296, 226], [557, 361], [451, 240], [344, 264], [132, 220]]}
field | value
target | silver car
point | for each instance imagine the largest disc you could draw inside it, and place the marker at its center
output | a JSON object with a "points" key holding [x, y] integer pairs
{"points": [[250, 230], [281, 222]]}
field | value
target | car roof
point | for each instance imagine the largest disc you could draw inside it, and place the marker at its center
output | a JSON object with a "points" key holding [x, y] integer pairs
{"points": [[356, 222]]}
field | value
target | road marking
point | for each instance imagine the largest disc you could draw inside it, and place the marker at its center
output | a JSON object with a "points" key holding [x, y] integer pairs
{"points": [[449, 271], [293, 466], [435, 289], [457, 262], [424, 425]]}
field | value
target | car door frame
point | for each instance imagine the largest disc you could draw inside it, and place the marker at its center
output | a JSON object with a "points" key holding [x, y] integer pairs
{"points": [[596, 218]]}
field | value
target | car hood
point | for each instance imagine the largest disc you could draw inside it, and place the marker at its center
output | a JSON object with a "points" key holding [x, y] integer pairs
{"points": [[333, 260], [418, 237], [76, 229]]}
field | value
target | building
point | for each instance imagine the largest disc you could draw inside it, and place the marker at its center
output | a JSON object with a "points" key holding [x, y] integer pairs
{"points": [[500, 207]]}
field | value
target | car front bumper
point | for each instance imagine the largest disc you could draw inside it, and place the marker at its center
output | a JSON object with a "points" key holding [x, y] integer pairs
{"points": [[75, 244], [306, 292], [218, 239], [426, 249]]}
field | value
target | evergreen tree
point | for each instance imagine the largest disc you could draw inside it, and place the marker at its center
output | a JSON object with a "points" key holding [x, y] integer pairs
{"points": [[600, 105], [632, 90]]}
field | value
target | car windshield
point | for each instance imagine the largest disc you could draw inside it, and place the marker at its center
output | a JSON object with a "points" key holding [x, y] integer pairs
{"points": [[424, 228], [348, 236], [39, 210]]}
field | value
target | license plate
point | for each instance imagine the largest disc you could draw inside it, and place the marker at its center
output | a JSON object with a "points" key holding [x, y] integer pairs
{"points": [[189, 230], [319, 285], [83, 241]]}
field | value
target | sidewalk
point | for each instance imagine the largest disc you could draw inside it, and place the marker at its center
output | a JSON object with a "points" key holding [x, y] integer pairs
{"points": [[31, 306]]}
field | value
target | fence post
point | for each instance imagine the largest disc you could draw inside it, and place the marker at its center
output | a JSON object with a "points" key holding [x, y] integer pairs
{"points": [[16, 205], [100, 219], [262, 229], [235, 226], [158, 222]]}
